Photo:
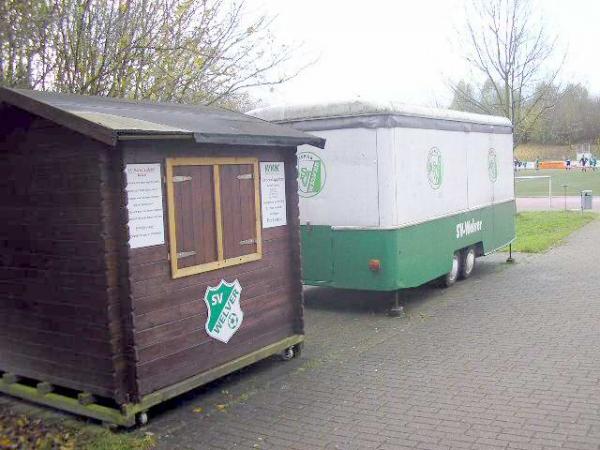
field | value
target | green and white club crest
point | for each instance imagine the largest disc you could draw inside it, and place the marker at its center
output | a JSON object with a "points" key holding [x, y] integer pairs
{"points": [[225, 314], [435, 168], [492, 165], [311, 174]]}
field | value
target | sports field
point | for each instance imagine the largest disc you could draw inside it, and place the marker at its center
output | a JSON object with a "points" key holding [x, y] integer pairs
{"points": [[575, 179]]}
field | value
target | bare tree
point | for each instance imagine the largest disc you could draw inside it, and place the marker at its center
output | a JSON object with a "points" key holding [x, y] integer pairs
{"points": [[191, 51], [510, 51], [24, 46]]}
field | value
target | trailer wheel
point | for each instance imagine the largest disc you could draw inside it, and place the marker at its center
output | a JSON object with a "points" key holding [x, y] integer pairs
{"points": [[288, 353], [467, 263], [142, 418], [450, 278]]}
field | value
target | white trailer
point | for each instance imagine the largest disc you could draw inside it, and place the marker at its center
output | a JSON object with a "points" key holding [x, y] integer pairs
{"points": [[400, 195]]}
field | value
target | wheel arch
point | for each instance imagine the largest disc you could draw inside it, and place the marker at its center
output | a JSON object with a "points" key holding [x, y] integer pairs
{"points": [[478, 246]]}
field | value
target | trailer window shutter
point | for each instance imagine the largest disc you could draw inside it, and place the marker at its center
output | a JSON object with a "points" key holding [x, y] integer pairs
{"points": [[194, 215], [239, 210], [214, 216]]}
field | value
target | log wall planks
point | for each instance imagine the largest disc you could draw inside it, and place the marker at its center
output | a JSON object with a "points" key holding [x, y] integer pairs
{"points": [[60, 316], [169, 314], [80, 309]]}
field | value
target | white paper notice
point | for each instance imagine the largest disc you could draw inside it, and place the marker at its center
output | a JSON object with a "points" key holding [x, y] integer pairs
{"points": [[272, 187], [145, 205]]}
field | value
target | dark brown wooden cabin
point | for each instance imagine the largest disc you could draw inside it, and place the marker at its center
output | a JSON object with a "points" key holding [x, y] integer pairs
{"points": [[116, 218]]}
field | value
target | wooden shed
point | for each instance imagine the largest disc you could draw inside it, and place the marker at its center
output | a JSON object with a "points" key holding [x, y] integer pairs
{"points": [[147, 249]]}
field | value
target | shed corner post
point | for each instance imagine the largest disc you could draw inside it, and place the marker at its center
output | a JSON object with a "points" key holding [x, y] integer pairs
{"points": [[127, 379]]}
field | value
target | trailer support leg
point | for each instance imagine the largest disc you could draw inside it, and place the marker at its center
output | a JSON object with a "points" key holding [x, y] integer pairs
{"points": [[510, 259], [397, 310]]}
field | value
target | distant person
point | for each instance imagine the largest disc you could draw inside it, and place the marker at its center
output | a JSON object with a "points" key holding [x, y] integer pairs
{"points": [[593, 163], [537, 163], [583, 162], [568, 164]]}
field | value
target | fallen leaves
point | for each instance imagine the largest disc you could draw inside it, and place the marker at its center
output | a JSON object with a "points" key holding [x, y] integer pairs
{"points": [[19, 432]]}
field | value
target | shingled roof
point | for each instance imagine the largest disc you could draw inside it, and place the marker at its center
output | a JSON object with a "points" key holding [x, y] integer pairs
{"points": [[110, 120]]}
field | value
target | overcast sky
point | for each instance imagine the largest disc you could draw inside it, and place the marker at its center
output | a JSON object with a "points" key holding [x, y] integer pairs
{"points": [[405, 49]]}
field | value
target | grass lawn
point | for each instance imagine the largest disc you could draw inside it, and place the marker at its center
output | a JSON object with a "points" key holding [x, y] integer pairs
{"points": [[20, 431], [94, 438], [537, 231], [575, 179]]}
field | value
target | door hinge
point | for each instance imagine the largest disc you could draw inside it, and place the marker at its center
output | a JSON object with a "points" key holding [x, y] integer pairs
{"points": [[181, 178], [248, 242], [185, 254], [245, 176]]}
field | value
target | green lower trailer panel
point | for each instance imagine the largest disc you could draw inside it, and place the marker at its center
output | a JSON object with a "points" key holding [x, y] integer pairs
{"points": [[127, 414], [409, 256]]}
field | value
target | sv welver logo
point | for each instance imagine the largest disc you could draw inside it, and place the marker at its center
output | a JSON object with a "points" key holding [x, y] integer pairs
{"points": [[225, 314], [492, 165], [435, 168], [468, 227], [311, 174]]}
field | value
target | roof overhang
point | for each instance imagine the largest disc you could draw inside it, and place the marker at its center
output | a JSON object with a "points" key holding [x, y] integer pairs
{"points": [[112, 120], [65, 118]]}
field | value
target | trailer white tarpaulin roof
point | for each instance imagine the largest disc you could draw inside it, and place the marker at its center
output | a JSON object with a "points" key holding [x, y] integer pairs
{"points": [[371, 114]]}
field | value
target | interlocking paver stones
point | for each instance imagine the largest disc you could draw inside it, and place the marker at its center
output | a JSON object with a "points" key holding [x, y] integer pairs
{"points": [[507, 359]]}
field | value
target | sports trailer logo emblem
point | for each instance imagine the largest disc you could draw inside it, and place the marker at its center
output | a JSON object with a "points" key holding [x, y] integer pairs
{"points": [[311, 174], [435, 168], [492, 165], [224, 312]]}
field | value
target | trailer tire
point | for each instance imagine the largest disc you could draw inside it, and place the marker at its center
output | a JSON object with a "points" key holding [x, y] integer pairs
{"points": [[142, 418], [450, 278], [467, 262], [288, 354]]}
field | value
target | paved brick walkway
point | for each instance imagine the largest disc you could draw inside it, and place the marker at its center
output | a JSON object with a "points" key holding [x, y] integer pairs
{"points": [[507, 359]]}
